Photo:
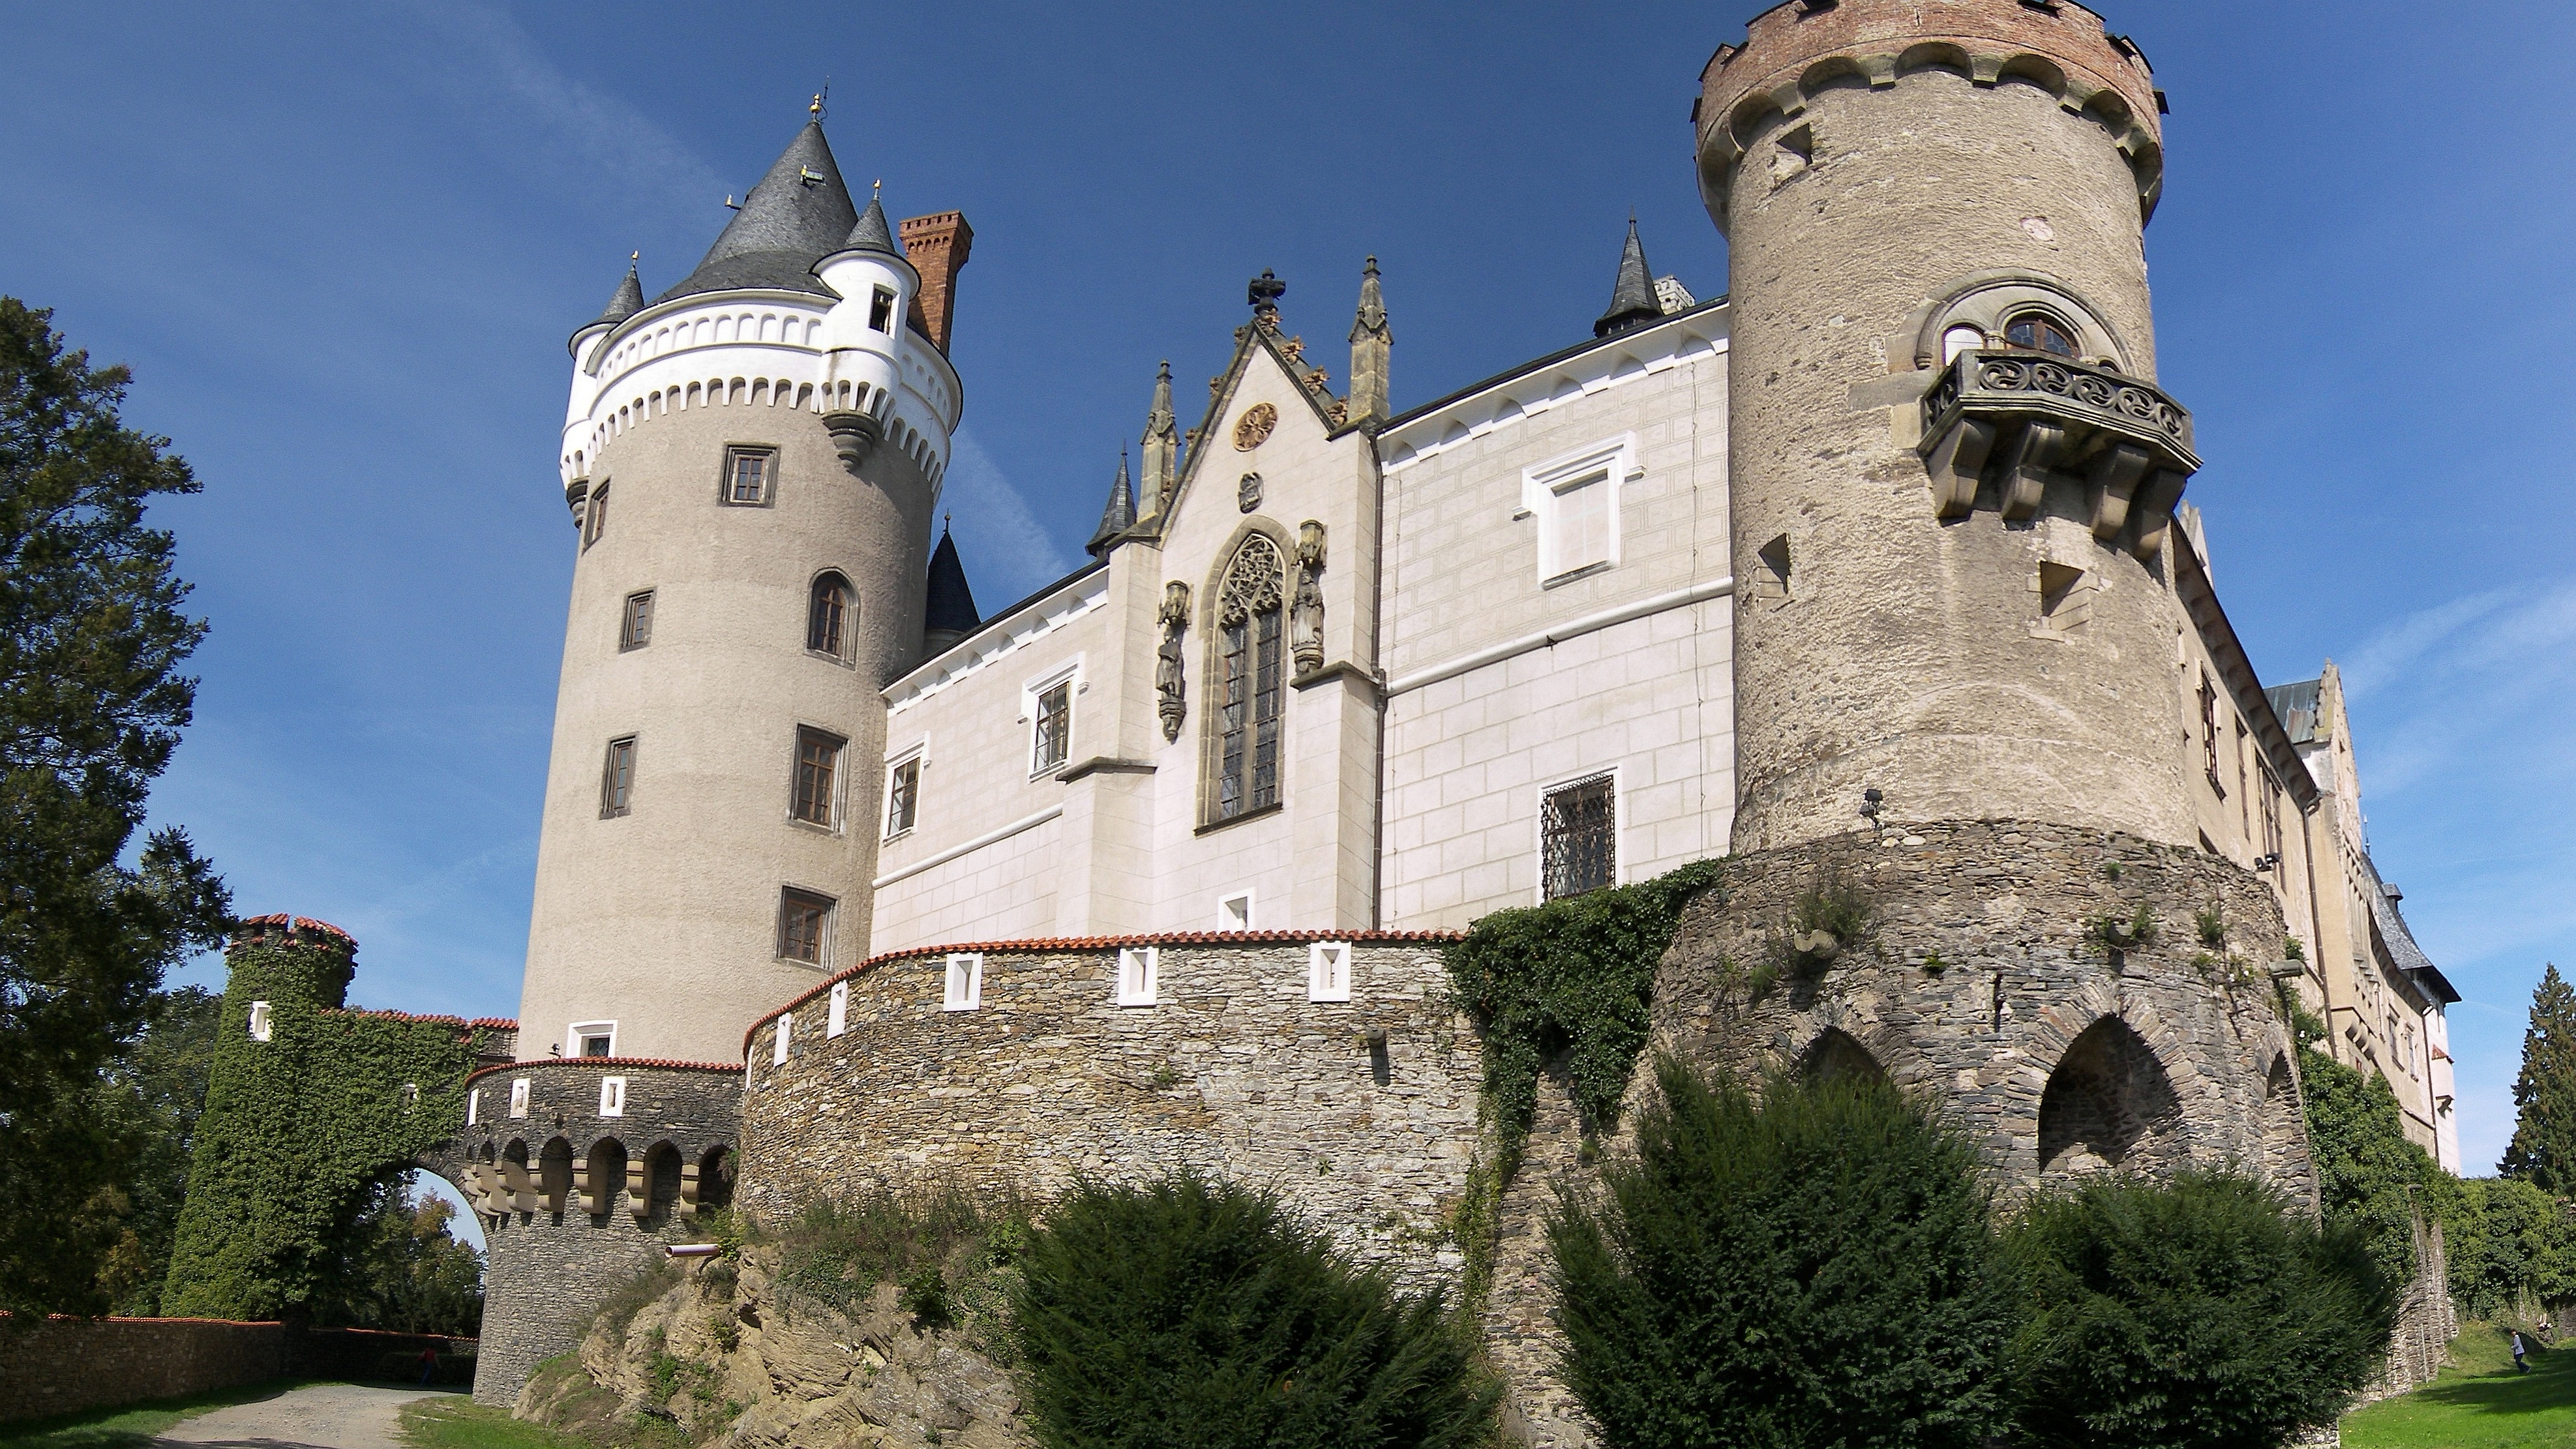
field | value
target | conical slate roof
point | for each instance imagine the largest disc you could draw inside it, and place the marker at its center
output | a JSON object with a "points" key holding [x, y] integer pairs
{"points": [[1119, 516], [872, 234], [799, 212], [948, 604], [1632, 301], [628, 301]]}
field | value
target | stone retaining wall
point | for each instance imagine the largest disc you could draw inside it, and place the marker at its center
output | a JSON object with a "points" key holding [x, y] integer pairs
{"points": [[1362, 1114], [66, 1365]]}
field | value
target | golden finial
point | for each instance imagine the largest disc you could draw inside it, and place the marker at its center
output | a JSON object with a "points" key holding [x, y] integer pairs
{"points": [[816, 110], [876, 189], [634, 256]]}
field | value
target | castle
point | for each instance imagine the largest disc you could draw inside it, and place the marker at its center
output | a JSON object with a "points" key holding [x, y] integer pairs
{"points": [[842, 882]]}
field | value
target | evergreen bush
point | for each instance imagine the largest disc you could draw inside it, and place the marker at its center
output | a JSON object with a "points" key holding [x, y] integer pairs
{"points": [[1191, 1312], [2200, 1313], [1809, 1269]]}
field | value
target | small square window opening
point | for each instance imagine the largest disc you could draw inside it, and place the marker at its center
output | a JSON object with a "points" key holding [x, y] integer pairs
{"points": [[1139, 968], [1578, 838], [260, 1021], [881, 311], [1328, 971], [965, 983], [804, 920], [1234, 912], [635, 628], [747, 476], [594, 1038]]}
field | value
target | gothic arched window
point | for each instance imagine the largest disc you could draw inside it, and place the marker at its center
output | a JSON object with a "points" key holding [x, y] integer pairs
{"points": [[1248, 682], [827, 617], [2040, 333]]}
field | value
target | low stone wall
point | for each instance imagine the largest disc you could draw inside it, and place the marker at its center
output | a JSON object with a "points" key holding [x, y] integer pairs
{"points": [[1362, 1114], [65, 1365]]}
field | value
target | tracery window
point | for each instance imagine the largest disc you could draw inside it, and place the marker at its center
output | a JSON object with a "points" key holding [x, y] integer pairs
{"points": [[2040, 334], [1248, 682]]}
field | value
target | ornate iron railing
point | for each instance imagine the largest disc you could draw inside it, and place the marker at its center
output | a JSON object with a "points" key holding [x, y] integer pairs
{"points": [[2021, 383]]}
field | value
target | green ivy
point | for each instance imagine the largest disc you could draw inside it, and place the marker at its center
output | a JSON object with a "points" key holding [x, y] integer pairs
{"points": [[298, 1128], [1574, 977]]}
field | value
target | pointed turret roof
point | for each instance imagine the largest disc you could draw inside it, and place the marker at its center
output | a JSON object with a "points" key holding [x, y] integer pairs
{"points": [[798, 213], [872, 234], [1119, 516], [1632, 300], [947, 603], [1371, 319], [628, 301]]}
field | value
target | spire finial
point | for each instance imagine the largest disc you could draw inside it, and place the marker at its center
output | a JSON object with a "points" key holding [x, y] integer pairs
{"points": [[633, 257], [817, 110], [876, 189]]}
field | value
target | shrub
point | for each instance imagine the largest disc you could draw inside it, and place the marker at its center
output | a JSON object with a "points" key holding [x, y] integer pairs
{"points": [[2200, 1313], [1189, 1312], [839, 1250], [1809, 1270]]}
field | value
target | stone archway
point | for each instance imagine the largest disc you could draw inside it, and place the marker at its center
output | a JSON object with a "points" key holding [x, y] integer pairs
{"points": [[1837, 1055], [2110, 1106]]}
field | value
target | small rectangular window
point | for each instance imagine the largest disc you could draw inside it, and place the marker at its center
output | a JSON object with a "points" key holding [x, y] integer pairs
{"points": [[903, 796], [518, 1096], [1328, 971], [881, 311], [617, 779], [837, 1020], [747, 476], [1234, 912], [1578, 838], [804, 920], [1138, 970], [778, 1041], [1582, 522], [818, 769], [473, 1106], [635, 630], [260, 1020], [594, 1038], [1051, 736], [965, 983], [594, 517], [612, 1103]]}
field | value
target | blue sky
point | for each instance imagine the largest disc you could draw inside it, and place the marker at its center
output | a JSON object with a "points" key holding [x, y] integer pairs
{"points": [[342, 247]]}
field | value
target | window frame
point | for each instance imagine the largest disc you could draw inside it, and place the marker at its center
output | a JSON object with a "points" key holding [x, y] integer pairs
{"points": [[881, 310], [1543, 487], [1225, 915], [612, 1102], [845, 629], [1328, 970], [962, 988], [263, 1021], [616, 797], [519, 1097], [827, 907], [1609, 777], [897, 765], [635, 622], [781, 1036], [836, 1018], [836, 778], [2073, 337], [1235, 749], [1140, 976], [576, 1033], [734, 455], [594, 516], [1067, 677]]}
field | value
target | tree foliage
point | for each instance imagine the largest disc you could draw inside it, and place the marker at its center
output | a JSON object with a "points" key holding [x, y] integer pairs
{"points": [[2200, 1313], [2543, 1150], [2511, 1246], [1189, 1312], [406, 1273], [2368, 1175], [91, 703], [158, 1088], [1809, 1269]]}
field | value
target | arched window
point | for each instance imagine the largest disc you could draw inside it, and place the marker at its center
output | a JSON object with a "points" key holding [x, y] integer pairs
{"points": [[2040, 333], [827, 617], [1247, 682]]}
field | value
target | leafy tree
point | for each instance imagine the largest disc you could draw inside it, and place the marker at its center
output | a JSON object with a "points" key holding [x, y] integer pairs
{"points": [[91, 703], [159, 1087], [405, 1272], [2368, 1174], [2543, 1151], [2510, 1244], [1809, 1269], [2200, 1313], [1191, 1312]]}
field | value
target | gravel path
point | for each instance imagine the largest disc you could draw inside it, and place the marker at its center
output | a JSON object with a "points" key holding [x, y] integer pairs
{"points": [[323, 1416]]}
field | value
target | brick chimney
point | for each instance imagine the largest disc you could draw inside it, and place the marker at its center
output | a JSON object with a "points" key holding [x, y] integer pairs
{"points": [[937, 247]]}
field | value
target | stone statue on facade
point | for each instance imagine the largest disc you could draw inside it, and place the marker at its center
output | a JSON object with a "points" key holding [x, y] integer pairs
{"points": [[1169, 683], [1306, 612]]}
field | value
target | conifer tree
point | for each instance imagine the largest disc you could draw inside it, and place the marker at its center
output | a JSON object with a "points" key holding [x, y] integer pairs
{"points": [[2543, 1151]]}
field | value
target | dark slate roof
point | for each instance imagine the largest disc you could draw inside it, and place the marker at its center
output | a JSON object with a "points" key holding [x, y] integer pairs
{"points": [[948, 603], [1119, 516], [628, 301], [872, 234], [1632, 299], [798, 213], [2296, 704], [2410, 958]]}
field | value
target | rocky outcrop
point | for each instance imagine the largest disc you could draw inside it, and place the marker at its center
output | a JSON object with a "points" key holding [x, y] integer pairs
{"points": [[729, 1354]]}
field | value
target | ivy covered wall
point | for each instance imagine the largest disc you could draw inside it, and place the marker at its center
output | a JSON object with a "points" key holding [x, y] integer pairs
{"points": [[296, 1127]]}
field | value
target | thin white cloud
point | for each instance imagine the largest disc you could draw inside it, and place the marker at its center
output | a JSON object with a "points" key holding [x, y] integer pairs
{"points": [[1007, 554]]}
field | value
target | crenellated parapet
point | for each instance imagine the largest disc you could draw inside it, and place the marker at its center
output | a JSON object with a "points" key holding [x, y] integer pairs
{"points": [[1796, 50]]}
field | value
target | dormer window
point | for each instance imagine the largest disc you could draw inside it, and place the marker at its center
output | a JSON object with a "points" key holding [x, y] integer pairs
{"points": [[2039, 333], [881, 311]]}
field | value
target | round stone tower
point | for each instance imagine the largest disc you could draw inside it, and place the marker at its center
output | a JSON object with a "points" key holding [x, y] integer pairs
{"points": [[752, 462], [1952, 472]]}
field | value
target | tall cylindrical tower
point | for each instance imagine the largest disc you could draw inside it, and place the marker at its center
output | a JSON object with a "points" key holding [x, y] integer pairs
{"points": [[1951, 469], [753, 461]]}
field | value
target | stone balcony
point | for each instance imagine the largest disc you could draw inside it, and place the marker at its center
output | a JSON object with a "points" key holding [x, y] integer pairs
{"points": [[2023, 416]]}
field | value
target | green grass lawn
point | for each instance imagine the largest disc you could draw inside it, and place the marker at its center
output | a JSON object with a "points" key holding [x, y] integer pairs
{"points": [[129, 1426], [460, 1423], [2479, 1402]]}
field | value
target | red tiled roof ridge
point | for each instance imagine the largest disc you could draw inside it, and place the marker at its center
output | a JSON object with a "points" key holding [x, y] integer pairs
{"points": [[297, 923], [663, 1062], [1102, 943]]}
